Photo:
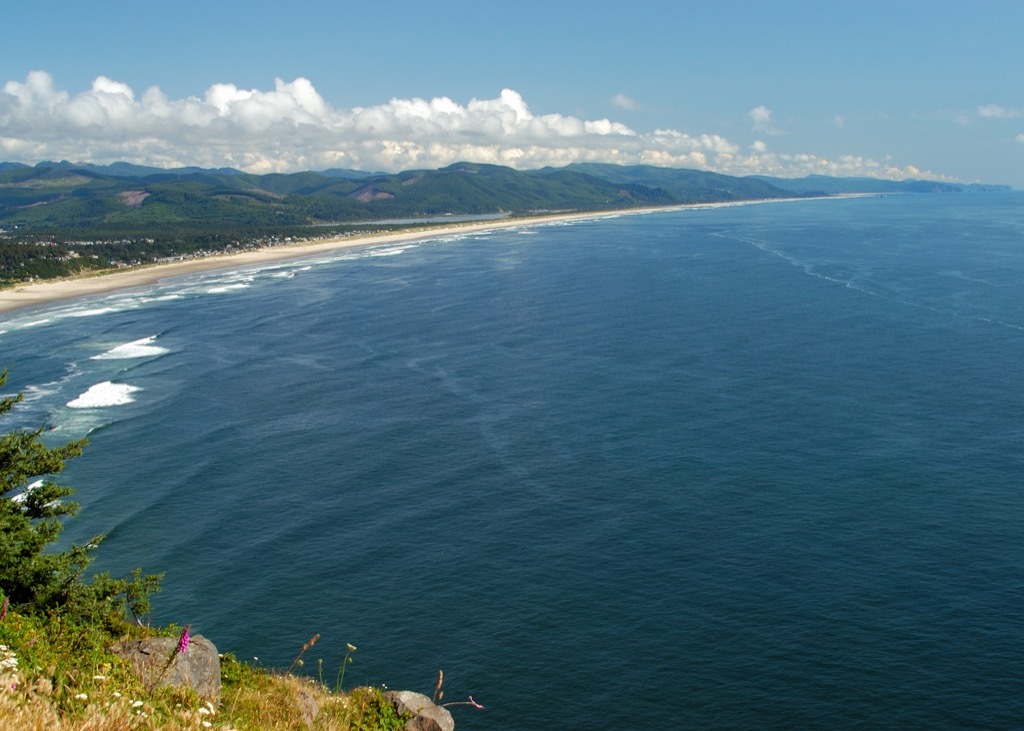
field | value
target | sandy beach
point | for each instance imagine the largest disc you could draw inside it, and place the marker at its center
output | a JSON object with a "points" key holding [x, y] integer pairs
{"points": [[47, 292], [42, 293]]}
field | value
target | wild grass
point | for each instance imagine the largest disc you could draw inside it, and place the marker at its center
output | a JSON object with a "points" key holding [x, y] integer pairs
{"points": [[57, 676]]}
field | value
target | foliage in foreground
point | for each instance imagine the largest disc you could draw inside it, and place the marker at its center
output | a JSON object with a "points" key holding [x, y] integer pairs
{"points": [[55, 676]]}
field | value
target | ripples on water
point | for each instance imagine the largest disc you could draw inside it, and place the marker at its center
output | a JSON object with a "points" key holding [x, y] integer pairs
{"points": [[744, 467]]}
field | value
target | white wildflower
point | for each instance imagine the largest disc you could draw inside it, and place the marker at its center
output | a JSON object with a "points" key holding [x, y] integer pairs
{"points": [[82, 697], [8, 659]]}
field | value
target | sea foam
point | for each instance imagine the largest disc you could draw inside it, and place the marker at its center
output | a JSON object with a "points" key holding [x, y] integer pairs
{"points": [[227, 288], [143, 348], [104, 394], [91, 312], [391, 251], [21, 497]]}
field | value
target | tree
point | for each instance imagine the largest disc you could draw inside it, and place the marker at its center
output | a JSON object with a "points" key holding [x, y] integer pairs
{"points": [[31, 507]]}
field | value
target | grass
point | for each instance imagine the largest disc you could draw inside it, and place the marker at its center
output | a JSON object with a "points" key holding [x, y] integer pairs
{"points": [[57, 676]]}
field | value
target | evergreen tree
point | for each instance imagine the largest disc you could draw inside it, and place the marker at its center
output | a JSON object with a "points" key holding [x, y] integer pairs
{"points": [[31, 506]]}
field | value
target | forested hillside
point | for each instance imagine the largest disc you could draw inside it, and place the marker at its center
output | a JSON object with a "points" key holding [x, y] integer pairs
{"points": [[62, 218]]}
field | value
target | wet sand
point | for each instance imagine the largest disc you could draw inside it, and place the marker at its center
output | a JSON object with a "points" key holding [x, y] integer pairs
{"points": [[46, 292]]}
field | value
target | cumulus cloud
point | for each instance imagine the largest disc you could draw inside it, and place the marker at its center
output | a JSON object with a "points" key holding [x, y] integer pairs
{"points": [[788, 165], [292, 127], [761, 118]]}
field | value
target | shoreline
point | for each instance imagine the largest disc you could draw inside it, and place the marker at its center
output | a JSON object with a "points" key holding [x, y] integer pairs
{"points": [[37, 294]]}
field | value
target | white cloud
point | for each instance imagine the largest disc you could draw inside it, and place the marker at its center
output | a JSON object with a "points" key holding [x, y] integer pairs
{"points": [[799, 165], [624, 102], [761, 117], [291, 127], [994, 111]]}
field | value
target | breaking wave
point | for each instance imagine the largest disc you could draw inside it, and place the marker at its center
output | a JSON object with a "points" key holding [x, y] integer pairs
{"points": [[105, 394], [143, 348]]}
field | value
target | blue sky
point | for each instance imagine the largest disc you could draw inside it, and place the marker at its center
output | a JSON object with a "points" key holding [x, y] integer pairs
{"points": [[894, 89]]}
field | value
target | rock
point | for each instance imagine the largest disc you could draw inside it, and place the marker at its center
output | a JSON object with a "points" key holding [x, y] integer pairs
{"points": [[157, 662], [309, 709], [428, 717]]}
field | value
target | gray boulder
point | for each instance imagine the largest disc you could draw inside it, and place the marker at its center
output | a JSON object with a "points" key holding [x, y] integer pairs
{"points": [[427, 716], [158, 663]]}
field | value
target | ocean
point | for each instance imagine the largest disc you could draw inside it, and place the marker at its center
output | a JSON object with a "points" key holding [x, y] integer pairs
{"points": [[753, 466]]}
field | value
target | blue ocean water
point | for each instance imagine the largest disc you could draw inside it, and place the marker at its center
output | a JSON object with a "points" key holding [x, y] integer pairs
{"points": [[736, 467]]}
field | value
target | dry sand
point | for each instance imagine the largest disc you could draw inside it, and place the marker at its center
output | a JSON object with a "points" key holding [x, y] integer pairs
{"points": [[42, 293]]}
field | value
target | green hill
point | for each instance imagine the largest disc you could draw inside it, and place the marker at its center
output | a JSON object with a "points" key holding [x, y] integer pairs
{"points": [[128, 199], [59, 218], [690, 186]]}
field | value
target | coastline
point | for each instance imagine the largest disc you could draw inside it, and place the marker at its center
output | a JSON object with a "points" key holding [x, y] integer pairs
{"points": [[36, 294]]}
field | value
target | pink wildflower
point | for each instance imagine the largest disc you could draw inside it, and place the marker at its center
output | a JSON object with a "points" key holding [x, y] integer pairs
{"points": [[474, 703], [184, 639]]}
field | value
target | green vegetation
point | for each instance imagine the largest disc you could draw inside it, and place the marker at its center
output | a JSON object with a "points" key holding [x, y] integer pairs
{"points": [[59, 219], [62, 219], [690, 186], [42, 583], [55, 630], [58, 674]]}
